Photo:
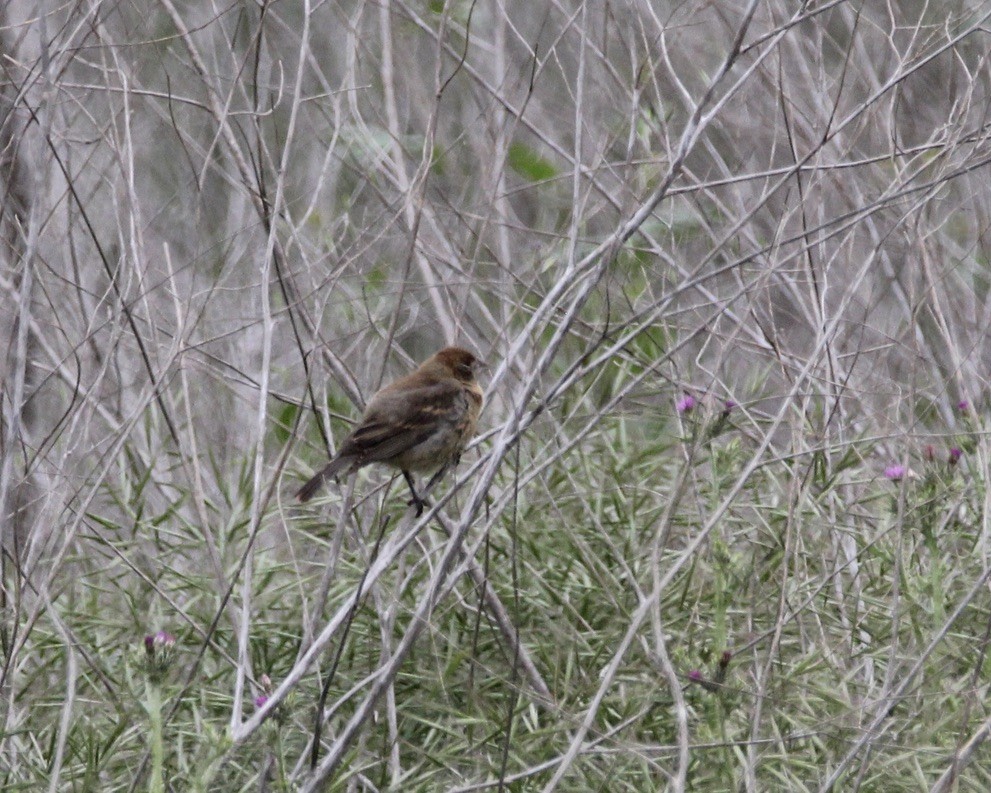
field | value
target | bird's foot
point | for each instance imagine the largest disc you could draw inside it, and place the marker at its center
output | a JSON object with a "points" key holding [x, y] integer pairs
{"points": [[419, 503]]}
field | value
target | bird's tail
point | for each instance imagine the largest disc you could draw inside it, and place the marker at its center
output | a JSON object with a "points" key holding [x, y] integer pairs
{"points": [[309, 490]]}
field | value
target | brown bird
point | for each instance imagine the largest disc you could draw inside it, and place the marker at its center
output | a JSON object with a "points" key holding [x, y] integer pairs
{"points": [[421, 422]]}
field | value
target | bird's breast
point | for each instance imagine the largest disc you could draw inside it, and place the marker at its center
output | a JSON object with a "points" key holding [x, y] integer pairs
{"points": [[449, 438]]}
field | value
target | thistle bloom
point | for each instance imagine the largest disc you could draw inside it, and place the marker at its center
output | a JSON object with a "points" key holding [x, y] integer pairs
{"points": [[260, 700], [685, 404], [895, 472], [161, 642], [955, 455], [159, 649], [962, 405], [695, 676]]}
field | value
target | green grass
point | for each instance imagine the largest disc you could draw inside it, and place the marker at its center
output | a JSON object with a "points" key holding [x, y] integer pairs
{"points": [[825, 585]]}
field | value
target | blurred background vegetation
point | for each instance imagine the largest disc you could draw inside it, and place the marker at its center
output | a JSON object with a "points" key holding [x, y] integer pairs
{"points": [[727, 526]]}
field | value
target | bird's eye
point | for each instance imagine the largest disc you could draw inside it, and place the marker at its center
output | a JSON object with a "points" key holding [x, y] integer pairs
{"points": [[464, 369]]}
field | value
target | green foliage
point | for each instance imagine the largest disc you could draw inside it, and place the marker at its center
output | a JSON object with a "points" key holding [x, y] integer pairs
{"points": [[716, 596], [526, 162], [283, 422], [788, 599]]}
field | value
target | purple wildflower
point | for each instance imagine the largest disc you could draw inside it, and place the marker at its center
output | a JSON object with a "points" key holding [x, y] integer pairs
{"points": [[158, 653], [955, 454], [963, 405], [163, 641], [895, 472], [260, 700], [695, 676], [685, 404]]}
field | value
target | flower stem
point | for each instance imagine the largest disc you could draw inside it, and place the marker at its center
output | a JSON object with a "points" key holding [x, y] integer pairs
{"points": [[153, 704]]}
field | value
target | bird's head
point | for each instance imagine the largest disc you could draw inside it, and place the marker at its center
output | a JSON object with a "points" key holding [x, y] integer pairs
{"points": [[454, 362]]}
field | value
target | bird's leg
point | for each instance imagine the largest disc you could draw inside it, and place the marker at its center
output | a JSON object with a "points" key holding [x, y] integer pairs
{"points": [[416, 501], [436, 478]]}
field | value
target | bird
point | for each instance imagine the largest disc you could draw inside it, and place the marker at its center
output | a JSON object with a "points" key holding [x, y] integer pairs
{"points": [[419, 423]]}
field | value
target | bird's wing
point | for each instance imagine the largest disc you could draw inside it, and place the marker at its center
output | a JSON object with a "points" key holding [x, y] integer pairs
{"points": [[398, 419]]}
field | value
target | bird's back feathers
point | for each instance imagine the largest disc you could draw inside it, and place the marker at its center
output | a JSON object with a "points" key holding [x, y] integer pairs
{"points": [[420, 422]]}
